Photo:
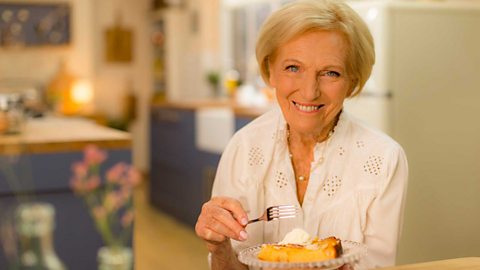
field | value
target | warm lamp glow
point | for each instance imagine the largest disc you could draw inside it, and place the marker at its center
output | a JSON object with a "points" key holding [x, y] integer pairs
{"points": [[82, 92]]}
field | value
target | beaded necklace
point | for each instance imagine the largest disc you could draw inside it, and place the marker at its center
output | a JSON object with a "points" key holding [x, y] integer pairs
{"points": [[302, 178]]}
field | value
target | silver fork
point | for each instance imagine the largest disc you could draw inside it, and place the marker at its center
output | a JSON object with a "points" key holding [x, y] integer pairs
{"points": [[277, 212]]}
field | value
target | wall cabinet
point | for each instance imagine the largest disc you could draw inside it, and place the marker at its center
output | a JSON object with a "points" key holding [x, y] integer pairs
{"points": [[181, 176]]}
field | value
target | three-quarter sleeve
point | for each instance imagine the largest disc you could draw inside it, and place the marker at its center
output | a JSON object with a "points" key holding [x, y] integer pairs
{"points": [[385, 214]]}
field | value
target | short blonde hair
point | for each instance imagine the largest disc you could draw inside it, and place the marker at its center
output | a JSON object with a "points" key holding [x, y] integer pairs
{"points": [[299, 17]]}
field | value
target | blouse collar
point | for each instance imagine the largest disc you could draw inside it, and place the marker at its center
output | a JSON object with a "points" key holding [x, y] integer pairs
{"points": [[281, 133]]}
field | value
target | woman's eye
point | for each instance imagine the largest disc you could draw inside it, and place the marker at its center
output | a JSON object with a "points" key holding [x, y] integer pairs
{"points": [[292, 68], [333, 74]]}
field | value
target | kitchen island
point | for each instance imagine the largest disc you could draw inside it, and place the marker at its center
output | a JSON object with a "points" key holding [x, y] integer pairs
{"points": [[186, 141], [36, 165]]}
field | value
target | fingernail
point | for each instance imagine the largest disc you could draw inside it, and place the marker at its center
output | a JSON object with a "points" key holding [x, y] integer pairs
{"points": [[244, 221], [243, 235]]}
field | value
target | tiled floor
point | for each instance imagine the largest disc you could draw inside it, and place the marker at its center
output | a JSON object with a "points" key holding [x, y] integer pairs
{"points": [[161, 242]]}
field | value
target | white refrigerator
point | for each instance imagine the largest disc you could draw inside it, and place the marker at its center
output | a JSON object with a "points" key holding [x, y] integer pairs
{"points": [[425, 93]]}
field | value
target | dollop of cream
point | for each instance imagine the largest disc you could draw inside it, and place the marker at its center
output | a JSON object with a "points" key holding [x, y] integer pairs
{"points": [[298, 237]]}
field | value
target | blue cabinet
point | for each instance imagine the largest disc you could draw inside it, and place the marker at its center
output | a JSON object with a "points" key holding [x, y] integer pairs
{"points": [[173, 162], [45, 177], [181, 176]]}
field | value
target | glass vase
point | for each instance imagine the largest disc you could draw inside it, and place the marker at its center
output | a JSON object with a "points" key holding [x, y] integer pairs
{"points": [[34, 226], [115, 258]]}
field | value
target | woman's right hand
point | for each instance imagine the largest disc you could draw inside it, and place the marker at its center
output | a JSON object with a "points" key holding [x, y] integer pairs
{"points": [[221, 219]]}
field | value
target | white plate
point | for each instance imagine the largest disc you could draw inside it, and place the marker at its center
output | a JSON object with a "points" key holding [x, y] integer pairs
{"points": [[352, 253]]}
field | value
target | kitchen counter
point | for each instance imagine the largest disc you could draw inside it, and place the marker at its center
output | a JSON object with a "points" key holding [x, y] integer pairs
{"points": [[61, 134], [238, 109], [469, 263], [38, 165]]}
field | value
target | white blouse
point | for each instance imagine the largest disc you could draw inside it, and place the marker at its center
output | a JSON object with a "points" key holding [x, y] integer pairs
{"points": [[356, 190]]}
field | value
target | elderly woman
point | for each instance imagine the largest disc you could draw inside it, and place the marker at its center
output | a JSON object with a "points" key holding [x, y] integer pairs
{"points": [[348, 179]]}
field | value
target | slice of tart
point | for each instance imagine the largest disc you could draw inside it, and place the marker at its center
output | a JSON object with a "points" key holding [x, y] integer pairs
{"points": [[299, 247]]}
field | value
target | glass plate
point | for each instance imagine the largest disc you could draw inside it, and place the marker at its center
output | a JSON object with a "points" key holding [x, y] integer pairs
{"points": [[352, 252]]}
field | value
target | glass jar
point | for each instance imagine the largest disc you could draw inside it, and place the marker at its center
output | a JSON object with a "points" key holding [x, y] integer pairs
{"points": [[12, 116], [34, 225], [115, 258]]}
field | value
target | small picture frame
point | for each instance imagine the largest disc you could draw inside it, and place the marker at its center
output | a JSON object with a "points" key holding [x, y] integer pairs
{"points": [[118, 44], [34, 24]]}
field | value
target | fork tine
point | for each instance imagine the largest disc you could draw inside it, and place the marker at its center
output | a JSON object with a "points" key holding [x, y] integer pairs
{"points": [[285, 206], [282, 211], [281, 217], [291, 216], [281, 207]]}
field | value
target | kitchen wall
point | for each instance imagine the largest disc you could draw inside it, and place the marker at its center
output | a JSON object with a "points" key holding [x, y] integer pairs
{"points": [[112, 80], [193, 46], [85, 58], [41, 63]]}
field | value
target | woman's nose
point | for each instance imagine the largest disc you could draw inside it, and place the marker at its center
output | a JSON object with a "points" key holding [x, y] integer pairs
{"points": [[311, 89]]}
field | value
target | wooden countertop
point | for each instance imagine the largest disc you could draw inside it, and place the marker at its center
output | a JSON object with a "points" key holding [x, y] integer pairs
{"points": [[56, 134], [469, 263], [239, 110]]}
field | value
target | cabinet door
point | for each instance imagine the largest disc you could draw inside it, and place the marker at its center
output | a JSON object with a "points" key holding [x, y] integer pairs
{"points": [[172, 137], [166, 188], [174, 181]]}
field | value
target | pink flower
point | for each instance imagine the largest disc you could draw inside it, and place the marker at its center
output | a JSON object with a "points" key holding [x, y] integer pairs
{"points": [[93, 155], [78, 185], [80, 169], [133, 177], [127, 218], [92, 183], [110, 204], [114, 201], [99, 212], [116, 172], [125, 193]]}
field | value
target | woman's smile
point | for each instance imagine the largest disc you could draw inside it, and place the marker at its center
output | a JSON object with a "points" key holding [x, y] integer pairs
{"points": [[307, 107]]}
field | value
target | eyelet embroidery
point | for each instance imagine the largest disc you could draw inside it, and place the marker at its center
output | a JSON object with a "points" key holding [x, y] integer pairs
{"points": [[360, 144], [373, 165], [332, 185], [255, 156], [274, 135], [280, 179], [280, 137]]}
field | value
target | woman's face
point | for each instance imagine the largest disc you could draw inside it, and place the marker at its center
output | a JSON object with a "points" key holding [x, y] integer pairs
{"points": [[309, 74]]}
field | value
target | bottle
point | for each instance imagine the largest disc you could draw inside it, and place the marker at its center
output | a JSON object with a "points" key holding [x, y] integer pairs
{"points": [[115, 258], [12, 117], [34, 226], [59, 91]]}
